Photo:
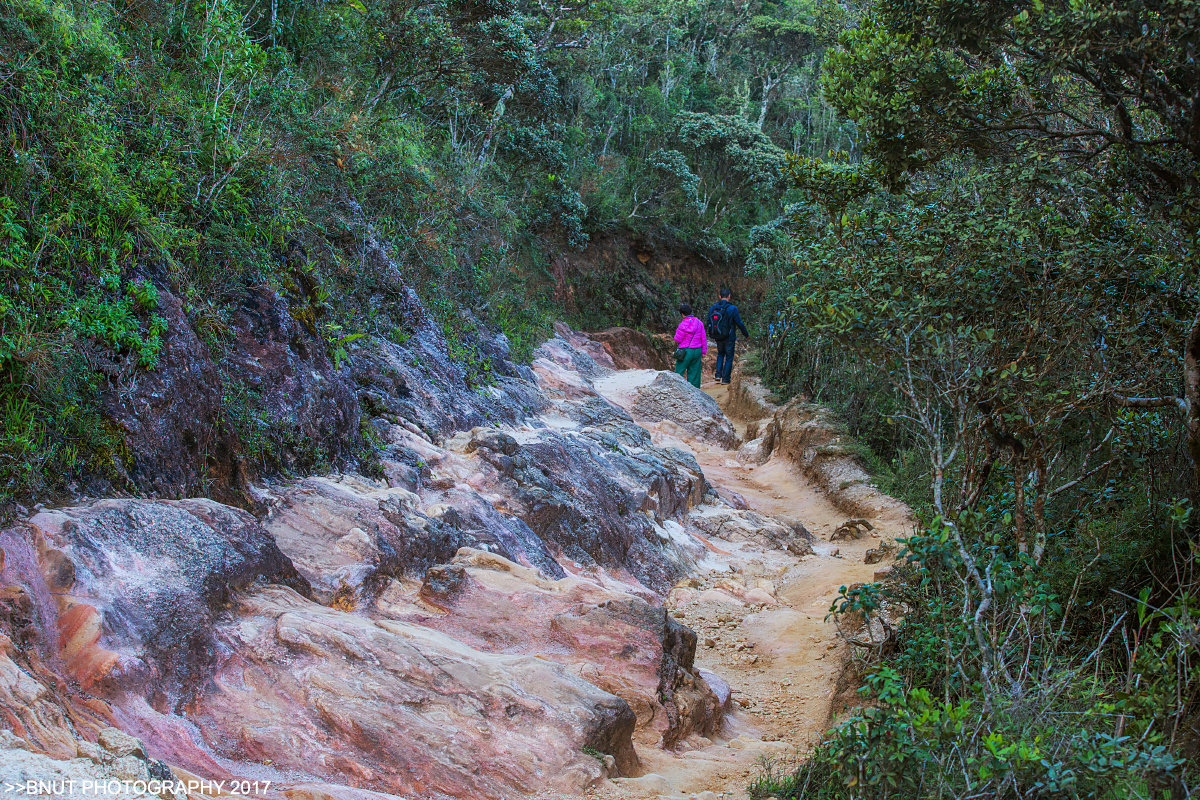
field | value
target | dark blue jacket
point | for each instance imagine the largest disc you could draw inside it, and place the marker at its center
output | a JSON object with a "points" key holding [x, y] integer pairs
{"points": [[732, 311]]}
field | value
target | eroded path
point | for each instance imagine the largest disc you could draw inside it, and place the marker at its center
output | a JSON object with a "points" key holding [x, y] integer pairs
{"points": [[406, 637], [781, 659]]}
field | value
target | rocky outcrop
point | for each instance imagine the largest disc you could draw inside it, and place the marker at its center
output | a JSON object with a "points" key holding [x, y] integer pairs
{"points": [[592, 494], [417, 383], [483, 618], [29, 707], [283, 368], [188, 426], [669, 403], [670, 397], [595, 498], [270, 390], [138, 585], [397, 708], [171, 418], [348, 537], [739, 525], [115, 766], [178, 615]]}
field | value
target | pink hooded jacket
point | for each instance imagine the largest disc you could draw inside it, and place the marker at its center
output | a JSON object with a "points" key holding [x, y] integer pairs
{"points": [[690, 333]]}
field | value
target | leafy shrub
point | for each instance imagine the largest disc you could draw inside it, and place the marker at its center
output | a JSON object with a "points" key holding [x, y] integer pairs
{"points": [[1023, 710]]}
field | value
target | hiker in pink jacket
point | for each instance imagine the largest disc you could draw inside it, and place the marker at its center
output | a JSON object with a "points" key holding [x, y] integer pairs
{"points": [[693, 344]]}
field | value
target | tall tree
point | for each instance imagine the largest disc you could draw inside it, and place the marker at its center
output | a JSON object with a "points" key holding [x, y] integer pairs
{"points": [[1111, 89], [776, 48]]}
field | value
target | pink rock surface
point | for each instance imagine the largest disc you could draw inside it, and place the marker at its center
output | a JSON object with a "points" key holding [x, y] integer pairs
{"points": [[343, 537], [718, 596], [615, 640], [761, 596], [560, 382], [394, 707], [188, 640], [474, 626]]}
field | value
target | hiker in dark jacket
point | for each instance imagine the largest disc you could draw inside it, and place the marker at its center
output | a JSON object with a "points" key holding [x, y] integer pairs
{"points": [[724, 321]]}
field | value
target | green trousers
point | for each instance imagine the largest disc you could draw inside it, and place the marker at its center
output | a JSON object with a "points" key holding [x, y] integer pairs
{"points": [[690, 367]]}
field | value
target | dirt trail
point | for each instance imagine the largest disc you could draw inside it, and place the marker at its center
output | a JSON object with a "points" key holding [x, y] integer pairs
{"points": [[782, 662]]}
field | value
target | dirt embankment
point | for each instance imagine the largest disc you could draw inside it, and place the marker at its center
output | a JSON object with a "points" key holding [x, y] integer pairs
{"points": [[807, 435], [633, 280]]}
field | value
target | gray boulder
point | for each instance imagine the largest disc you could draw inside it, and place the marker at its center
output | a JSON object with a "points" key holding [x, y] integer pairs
{"points": [[670, 397]]}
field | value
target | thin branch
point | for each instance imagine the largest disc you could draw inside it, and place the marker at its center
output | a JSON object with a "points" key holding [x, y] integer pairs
{"points": [[1150, 402]]}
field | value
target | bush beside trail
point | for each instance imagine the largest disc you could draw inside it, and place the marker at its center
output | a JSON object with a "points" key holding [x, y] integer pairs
{"points": [[1000, 299]]}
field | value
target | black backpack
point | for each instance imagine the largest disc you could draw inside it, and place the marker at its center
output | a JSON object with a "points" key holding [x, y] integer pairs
{"points": [[720, 321]]}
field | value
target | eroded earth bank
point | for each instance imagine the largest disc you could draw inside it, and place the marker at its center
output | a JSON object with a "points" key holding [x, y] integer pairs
{"points": [[584, 579]]}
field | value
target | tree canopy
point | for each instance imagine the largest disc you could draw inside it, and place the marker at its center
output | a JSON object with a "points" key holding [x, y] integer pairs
{"points": [[1009, 276]]}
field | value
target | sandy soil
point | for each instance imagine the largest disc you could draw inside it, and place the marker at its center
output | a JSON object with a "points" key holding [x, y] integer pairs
{"points": [[782, 662]]}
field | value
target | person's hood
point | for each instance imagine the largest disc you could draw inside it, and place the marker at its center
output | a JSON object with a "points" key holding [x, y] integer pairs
{"points": [[691, 325]]}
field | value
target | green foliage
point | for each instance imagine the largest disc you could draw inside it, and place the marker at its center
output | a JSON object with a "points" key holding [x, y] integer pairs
{"points": [[1067, 724], [199, 144], [978, 309], [732, 146], [691, 108], [525, 321], [243, 411], [925, 80], [993, 281], [781, 43], [673, 166], [462, 347], [912, 745], [337, 341]]}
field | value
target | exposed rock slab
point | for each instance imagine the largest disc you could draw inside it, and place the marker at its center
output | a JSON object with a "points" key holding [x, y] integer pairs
{"points": [[171, 417], [197, 648], [284, 368], [739, 525], [615, 640], [399, 708], [139, 583], [123, 771], [338, 646], [28, 707], [347, 537]]}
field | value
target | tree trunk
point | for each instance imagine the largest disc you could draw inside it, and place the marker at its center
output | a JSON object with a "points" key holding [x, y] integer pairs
{"points": [[1019, 522], [1191, 398], [494, 123], [1188, 405], [1040, 534], [768, 83]]}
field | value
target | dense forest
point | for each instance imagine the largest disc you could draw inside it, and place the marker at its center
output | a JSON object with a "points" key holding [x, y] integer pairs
{"points": [[1002, 299], [975, 225], [193, 147]]}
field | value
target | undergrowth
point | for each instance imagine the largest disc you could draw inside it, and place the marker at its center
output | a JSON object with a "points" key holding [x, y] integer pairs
{"points": [[179, 149]]}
